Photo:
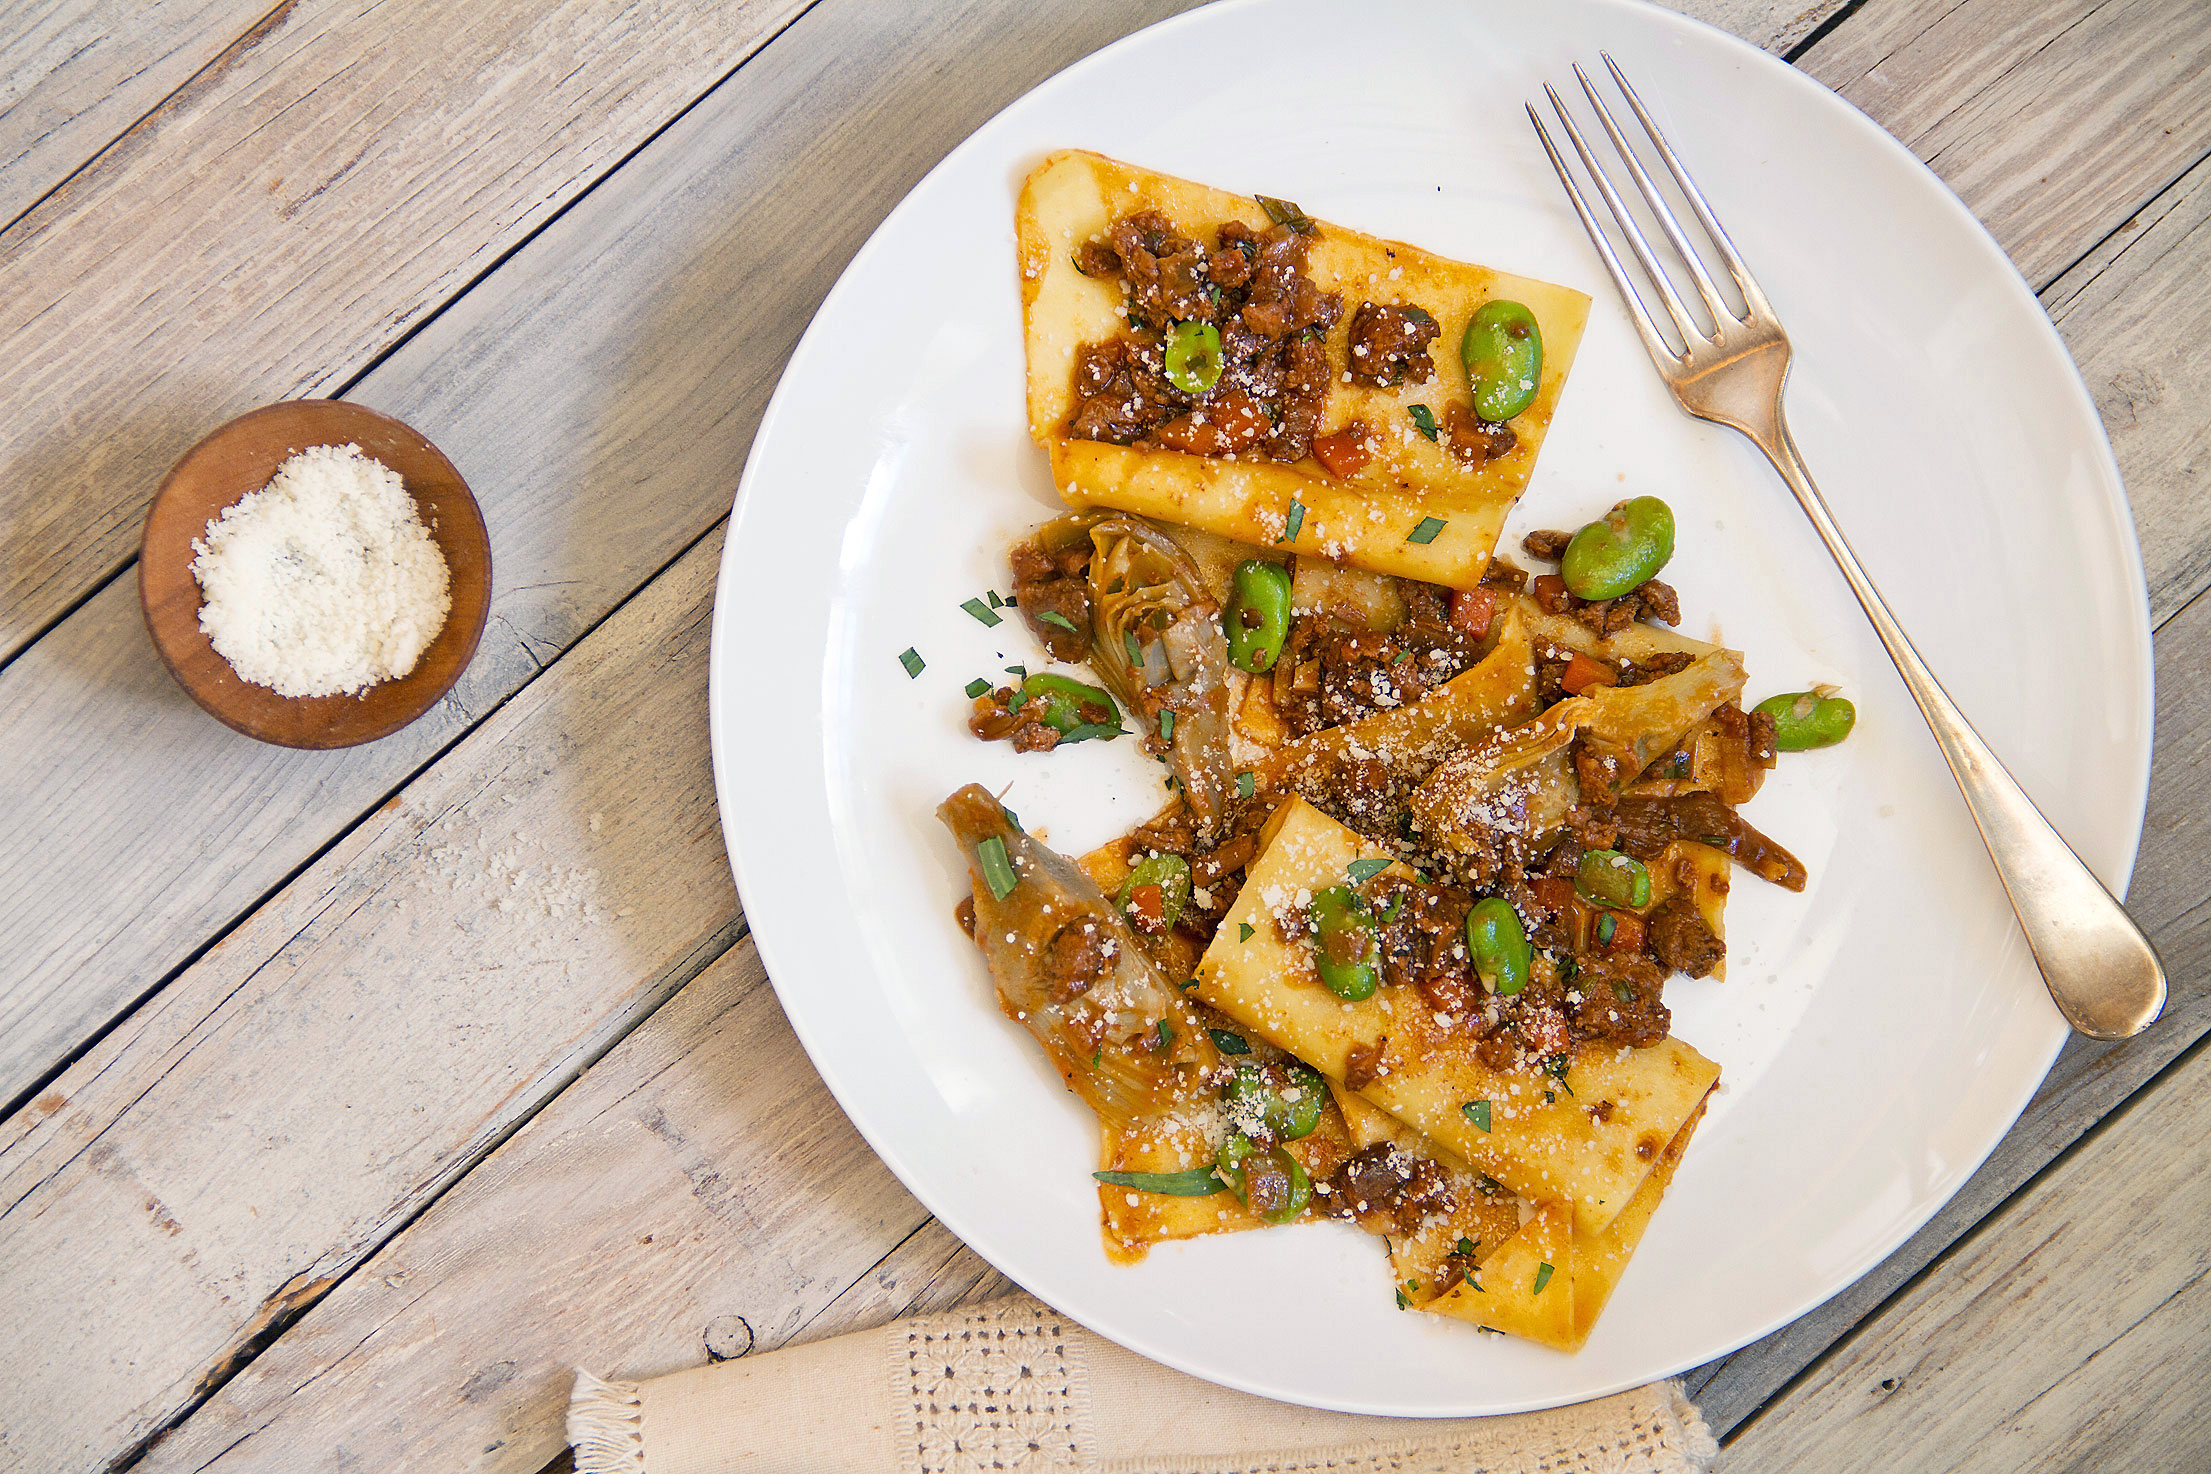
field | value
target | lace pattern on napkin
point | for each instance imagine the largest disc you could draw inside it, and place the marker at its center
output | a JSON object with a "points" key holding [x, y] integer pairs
{"points": [[999, 1387]]}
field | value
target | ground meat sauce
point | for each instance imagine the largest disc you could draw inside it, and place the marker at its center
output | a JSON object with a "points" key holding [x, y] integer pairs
{"points": [[1680, 939], [1078, 956], [1338, 674], [1648, 825], [1389, 345], [1252, 286], [1058, 583], [1389, 1190]]}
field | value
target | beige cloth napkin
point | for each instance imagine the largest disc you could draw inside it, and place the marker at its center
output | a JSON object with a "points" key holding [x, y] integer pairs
{"points": [[1012, 1385]]}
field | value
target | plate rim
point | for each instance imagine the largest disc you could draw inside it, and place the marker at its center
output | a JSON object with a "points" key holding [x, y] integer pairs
{"points": [[2068, 381]]}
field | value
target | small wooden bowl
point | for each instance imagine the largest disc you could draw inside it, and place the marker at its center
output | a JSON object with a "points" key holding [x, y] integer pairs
{"points": [[239, 458]]}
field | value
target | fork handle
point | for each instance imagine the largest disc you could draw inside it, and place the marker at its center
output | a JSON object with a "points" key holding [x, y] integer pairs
{"points": [[2101, 970]]}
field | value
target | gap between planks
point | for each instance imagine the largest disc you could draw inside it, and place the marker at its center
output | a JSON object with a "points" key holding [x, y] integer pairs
{"points": [[2091, 1282]]}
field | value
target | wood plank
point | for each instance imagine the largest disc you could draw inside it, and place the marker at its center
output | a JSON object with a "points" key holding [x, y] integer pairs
{"points": [[2066, 1333], [2054, 120], [2089, 1080], [2136, 316], [242, 1142], [697, 1193], [600, 391], [279, 227], [76, 73]]}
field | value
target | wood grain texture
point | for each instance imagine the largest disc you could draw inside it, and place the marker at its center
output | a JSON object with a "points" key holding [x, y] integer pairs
{"points": [[238, 1145], [2052, 119], [75, 74], [2095, 1284], [2089, 1080], [599, 392], [265, 235], [696, 1193], [2136, 316]]}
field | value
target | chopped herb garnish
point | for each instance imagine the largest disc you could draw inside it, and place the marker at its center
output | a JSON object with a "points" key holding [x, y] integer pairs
{"points": [[1285, 212], [1096, 1055], [913, 662], [977, 687], [1135, 321], [992, 595], [1401, 657], [1466, 1246], [1555, 1067], [1018, 672], [1011, 817], [1243, 931], [1426, 532], [1053, 616], [1402, 1302], [1477, 1111], [1163, 1036], [1424, 420], [1246, 784], [982, 611], [997, 869], [1198, 1182], [1395, 904], [1128, 643], [1167, 726], [1542, 1277], [1229, 1043], [1606, 926], [1362, 871], [1295, 523]]}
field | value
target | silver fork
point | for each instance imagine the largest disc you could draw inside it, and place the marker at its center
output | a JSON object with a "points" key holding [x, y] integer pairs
{"points": [[2101, 970]]}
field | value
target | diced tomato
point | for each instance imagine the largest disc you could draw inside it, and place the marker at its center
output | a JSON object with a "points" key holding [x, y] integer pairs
{"points": [[1582, 673], [1627, 934], [1550, 594], [1554, 893], [1473, 609], [1147, 908], [1346, 452]]}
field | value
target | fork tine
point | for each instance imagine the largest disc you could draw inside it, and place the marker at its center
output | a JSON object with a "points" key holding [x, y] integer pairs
{"points": [[1662, 352], [1736, 266], [1706, 287], [1690, 334]]}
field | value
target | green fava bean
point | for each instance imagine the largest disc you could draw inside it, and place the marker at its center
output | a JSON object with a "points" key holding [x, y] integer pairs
{"points": [[1621, 550], [1272, 1183], [1258, 615], [1503, 353], [1499, 945], [1171, 873], [1612, 879], [1346, 944], [1803, 720], [1194, 357], [1254, 1098], [1065, 704]]}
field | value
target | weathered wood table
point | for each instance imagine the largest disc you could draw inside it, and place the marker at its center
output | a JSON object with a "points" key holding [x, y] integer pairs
{"points": [[353, 1098]]}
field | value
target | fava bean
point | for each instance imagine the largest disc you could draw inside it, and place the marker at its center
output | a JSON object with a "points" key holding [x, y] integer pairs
{"points": [[1621, 550], [1612, 879], [1346, 943], [1194, 357], [1803, 720], [1498, 944], [1272, 1183], [1254, 1096], [1503, 353], [1071, 708], [1171, 874], [1258, 615]]}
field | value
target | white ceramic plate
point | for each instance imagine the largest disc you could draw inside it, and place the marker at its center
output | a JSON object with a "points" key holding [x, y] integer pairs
{"points": [[1878, 1033]]}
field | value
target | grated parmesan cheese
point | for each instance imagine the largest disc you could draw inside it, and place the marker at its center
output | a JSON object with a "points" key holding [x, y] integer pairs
{"points": [[324, 581]]}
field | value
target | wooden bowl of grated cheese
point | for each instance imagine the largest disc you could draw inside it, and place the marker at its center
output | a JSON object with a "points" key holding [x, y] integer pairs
{"points": [[241, 458]]}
